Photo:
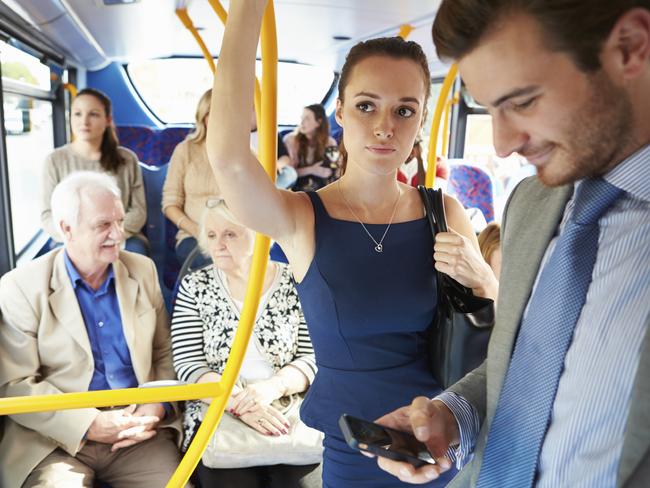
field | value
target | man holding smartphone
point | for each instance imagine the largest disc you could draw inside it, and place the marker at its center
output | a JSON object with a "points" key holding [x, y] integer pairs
{"points": [[564, 394]]}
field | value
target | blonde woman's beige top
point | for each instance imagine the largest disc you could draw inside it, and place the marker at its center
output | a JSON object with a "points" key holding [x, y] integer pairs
{"points": [[190, 182], [63, 161]]}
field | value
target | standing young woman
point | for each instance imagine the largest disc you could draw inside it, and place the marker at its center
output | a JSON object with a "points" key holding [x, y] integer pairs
{"points": [[306, 147], [95, 148], [360, 248]]}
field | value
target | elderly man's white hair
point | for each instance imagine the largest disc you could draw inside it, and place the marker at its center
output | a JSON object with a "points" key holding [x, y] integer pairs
{"points": [[66, 197]]}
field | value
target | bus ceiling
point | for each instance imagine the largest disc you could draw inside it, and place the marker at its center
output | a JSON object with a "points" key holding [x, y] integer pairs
{"points": [[96, 32]]}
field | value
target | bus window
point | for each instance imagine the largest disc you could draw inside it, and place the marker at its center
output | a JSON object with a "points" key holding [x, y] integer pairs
{"points": [[155, 79], [29, 133], [23, 69]]}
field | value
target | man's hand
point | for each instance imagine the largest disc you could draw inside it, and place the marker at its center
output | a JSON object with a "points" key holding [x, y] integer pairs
{"points": [[119, 426], [432, 423]]}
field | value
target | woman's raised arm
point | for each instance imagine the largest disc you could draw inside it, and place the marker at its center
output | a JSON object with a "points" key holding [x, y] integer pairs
{"points": [[249, 193]]}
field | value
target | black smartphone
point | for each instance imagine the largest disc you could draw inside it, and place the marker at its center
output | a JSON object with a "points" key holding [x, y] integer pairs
{"points": [[383, 441]]}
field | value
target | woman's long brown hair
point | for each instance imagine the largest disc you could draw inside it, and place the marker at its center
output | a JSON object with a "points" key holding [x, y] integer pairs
{"points": [[320, 139]]}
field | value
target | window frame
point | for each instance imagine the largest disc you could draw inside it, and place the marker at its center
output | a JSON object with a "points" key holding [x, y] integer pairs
{"points": [[125, 67], [9, 255]]}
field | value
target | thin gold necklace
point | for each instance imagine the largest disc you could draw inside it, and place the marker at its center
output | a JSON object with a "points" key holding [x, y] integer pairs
{"points": [[378, 245]]}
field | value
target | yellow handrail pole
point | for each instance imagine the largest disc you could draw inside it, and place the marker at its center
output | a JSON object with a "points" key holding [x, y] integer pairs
{"points": [[71, 88], [223, 16], [107, 398], [219, 10], [405, 30], [435, 125], [258, 266], [268, 129], [182, 14], [445, 128]]}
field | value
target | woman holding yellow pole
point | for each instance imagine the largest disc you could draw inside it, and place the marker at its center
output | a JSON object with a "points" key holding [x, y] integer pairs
{"points": [[360, 248]]}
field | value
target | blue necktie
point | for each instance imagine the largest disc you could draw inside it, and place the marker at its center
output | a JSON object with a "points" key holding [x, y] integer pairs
{"points": [[526, 401]]}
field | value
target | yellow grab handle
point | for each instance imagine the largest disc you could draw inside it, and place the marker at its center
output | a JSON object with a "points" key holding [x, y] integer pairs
{"points": [[107, 398], [445, 121], [435, 125], [182, 14], [405, 31], [71, 88]]}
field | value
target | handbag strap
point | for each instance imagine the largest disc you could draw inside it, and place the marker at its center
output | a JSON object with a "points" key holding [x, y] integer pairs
{"points": [[434, 207]]}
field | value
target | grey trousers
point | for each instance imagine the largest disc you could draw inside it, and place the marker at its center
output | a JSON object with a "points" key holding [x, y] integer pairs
{"points": [[148, 464]]}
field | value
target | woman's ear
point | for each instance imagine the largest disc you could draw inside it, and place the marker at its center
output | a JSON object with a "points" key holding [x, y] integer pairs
{"points": [[338, 114]]}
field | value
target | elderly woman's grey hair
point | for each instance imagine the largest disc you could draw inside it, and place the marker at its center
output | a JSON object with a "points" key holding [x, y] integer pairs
{"points": [[214, 206], [66, 197]]}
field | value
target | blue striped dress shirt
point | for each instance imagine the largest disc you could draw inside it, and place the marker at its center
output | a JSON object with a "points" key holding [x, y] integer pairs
{"points": [[584, 441]]}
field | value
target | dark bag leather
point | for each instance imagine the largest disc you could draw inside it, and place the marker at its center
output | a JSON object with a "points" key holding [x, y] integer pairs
{"points": [[460, 331]]}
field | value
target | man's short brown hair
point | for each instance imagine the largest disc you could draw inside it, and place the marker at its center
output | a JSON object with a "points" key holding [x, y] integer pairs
{"points": [[577, 27]]}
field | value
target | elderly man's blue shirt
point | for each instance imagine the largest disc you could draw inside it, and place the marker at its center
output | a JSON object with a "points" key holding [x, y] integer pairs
{"points": [[101, 313]]}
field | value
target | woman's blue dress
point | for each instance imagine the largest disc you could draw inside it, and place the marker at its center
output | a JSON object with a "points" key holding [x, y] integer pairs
{"points": [[367, 314]]}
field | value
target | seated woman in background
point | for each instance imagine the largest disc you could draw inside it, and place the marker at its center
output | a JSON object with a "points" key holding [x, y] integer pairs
{"points": [[412, 171], [95, 148], [190, 183], [279, 360], [307, 146], [489, 240]]}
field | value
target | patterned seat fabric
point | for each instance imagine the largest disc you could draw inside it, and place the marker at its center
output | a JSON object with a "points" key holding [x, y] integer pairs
{"points": [[152, 146], [168, 139], [473, 188], [141, 140]]}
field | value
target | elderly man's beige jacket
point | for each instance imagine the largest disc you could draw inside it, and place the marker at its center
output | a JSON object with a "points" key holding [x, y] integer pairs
{"points": [[44, 349]]}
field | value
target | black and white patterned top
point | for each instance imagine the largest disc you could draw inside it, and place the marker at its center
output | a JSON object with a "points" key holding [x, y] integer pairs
{"points": [[204, 322]]}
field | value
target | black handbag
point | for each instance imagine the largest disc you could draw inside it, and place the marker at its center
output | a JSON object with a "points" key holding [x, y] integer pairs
{"points": [[460, 331]]}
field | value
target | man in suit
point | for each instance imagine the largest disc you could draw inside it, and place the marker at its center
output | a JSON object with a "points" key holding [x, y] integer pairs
{"points": [[563, 398], [86, 317]]}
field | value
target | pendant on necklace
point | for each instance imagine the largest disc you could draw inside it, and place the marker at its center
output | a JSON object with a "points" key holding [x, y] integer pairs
{"points": [[379, 248]]}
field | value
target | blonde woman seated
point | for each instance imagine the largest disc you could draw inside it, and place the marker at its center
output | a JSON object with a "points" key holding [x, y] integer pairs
{"points": [[190, 182], [279, 360]]}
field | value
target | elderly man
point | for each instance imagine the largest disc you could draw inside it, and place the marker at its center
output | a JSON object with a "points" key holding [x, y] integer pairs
{"points": [[563, 399], [85, 317]]}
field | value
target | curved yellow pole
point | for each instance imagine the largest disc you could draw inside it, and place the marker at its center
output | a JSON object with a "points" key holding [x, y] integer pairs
{"points": [[268, 140], [71, 88], [219, 10], [445, 128], [405, 30], [181, 13], [435, 125], [223, 16]]}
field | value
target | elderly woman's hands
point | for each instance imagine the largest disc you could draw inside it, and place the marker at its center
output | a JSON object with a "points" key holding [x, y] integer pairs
{"points": [[266, 420], [457, 257], [257, 395]]}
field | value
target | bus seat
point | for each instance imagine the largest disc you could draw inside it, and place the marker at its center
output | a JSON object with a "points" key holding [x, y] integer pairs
{"points": [[140, 140], [156, 226], [472, 186], [168, 139]]}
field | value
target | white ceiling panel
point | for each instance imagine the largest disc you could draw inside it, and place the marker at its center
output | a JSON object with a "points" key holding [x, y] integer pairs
{"points": [[306, 28]]}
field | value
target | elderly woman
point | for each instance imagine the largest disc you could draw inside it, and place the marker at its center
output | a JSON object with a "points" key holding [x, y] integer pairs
{"points": [[279, 360]]}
